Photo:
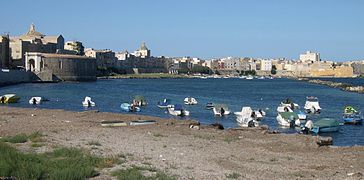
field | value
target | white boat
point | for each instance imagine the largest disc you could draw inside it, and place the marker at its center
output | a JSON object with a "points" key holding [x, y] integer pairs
{"points": [[177, 110], [248, 111], [221, 110], [249, 77], [288, 103], [190, 101], [35, 100], [88, 102], [287, 119], [312, 105], [261, 77], [246, 117]]}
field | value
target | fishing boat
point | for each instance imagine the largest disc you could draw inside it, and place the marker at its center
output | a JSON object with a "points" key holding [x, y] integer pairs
{"points": [[209, 105], [190, 101], [352, 116], [247, 117], [139, 101], [177, 110], [325, 125], [288, 103], [312, 105], [129, 108], [88, 102], [35, 100], [287, 119], [115, 123], [142, 122], [164, 104], [248, 111], [221, 110], [301, 115], [9, 98], [249, 77]]}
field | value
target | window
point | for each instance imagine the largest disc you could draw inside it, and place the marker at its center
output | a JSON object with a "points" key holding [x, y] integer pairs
{"points": [[60, 64]]}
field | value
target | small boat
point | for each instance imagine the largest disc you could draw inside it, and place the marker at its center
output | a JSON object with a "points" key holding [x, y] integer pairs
{"points": [[287, 119], [288, 103], [142, 122], [129, 108], [9, 98], [325, 125], [249, 77], [209, 105], [248, 111], [247, 117], [177, 110], [312, 105], [221, 110], [287, 108], [352, 116], [164, 104], [139, 101], [190, 101], [261, 77], [88, 102], [113, 123], [35, 100]]}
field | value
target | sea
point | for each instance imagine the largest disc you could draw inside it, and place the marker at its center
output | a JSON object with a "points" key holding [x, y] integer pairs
{"points": [[265, 94]]}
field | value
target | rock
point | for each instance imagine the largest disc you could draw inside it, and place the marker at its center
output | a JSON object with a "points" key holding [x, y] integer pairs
{"points": [[264, 127], [217, 126], [324, 141]]}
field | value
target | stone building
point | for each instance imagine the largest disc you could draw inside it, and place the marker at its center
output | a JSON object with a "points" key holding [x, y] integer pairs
{"points": [[142, 52], [358, 68], [33, 41], [4, 52], [310, 57], [74, 47], [104, 58], [61, 67]]}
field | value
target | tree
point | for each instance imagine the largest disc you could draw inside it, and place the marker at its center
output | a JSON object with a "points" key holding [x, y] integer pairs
{"points": [[274, 70]]}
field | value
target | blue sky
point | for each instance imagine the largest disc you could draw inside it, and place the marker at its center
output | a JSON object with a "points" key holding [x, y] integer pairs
{"points": [[200, 28]]}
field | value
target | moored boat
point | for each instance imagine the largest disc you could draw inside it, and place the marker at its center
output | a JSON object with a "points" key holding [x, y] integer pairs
{"points": [[221, 110], [247, 117], [325, 125], [35, 100], [139, 101], [287, 119], [177, 110], [312, 105], [9, 98], [164, 104], [129, 108], [209, 105], [352, 116], [88, 102], [190, 101]]}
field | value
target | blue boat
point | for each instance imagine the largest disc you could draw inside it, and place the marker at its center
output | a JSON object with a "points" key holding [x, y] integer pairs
{"points": [[352, 119], [164, 104], [325, 125], [129, 108]]}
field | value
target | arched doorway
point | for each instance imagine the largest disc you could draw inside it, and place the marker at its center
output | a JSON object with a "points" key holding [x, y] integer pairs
{"points": [[31, 64]]}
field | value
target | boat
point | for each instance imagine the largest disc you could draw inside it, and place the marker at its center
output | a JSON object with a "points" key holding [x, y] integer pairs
{"points": [[287, 119], [9, 98], [88, 102], [142, 122], [209, 105], [325, 125], [177, 110], [248, 111], [129, 108], [312, 105], [139, 101], [190, 101], [164, 104], [261, 77], [249, 77], [115, 123], [35, 100], [352, 116], [301, 115], [288, 103], [247, 117], [221, 110]]}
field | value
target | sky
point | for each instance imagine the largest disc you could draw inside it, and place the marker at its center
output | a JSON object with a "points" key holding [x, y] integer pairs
{"points": [[199, 28]]}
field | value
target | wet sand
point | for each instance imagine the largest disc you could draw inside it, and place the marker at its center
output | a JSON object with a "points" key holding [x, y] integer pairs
{"points": [[170, 145]]}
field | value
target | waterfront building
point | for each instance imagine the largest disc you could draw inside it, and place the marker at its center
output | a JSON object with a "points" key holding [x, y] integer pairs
{"points": [[142, 52], [4, 52], [358, 68], [33, 41], [310, 57], [104, 58], [265, 65], [61, 67], [74, 47], [122, 56]]}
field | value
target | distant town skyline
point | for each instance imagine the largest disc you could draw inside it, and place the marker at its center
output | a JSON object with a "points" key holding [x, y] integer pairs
{"points": [[205, 29]]}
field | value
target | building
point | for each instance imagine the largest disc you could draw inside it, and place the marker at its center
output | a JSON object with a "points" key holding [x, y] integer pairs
{"points": [[265, 65], [61, 67], [358, 68], [104, 58], [4, 52], [74, 47], [310, 57], [33, 41], [142, 52]]}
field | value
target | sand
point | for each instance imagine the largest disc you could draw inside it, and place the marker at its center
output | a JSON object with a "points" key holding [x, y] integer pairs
{"points": [[171, 146]]}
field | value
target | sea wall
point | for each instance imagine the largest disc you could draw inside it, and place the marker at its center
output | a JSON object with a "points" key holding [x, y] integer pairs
{"points": [[14, 77], [342, 86]]}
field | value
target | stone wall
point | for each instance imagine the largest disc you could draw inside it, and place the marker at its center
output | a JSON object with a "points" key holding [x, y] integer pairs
{"points": [[14, 77]]}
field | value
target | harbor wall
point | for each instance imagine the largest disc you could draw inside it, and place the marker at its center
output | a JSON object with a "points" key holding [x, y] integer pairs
{"points": [[14, 77]]}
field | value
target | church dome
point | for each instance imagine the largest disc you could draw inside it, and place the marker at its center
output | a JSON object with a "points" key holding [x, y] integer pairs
{"points": [[32, 32]]}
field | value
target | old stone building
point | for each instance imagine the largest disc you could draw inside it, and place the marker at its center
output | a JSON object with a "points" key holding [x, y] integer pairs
{"points": [[4, 52], [142, 52], [104, 58]]}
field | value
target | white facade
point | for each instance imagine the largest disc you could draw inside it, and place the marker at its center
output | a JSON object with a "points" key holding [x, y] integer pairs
{"points": [[265, 65], [310, 57]]}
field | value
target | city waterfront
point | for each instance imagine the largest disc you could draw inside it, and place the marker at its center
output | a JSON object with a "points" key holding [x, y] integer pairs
{"points": [[259, 94]]}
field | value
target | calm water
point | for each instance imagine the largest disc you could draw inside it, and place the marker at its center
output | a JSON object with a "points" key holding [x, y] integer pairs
{"points": [[264, 94]]}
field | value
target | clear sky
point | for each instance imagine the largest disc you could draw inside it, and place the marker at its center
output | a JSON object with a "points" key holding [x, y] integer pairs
{"points": [[199, 28]]}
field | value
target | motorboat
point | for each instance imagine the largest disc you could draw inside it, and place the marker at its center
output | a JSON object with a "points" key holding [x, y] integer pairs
{"points": [[248, 111], [209, 105], [190, 101], [261, 77], [129, 107], [139, 101], [35, 100], [287, 119], [352, 116], [312, 105], [288, 103], [88, 102], [164, 104], [247, 117], [177, 110], [221, 110], [9, 98], [301, 115], [249, 77], [325, 125]]}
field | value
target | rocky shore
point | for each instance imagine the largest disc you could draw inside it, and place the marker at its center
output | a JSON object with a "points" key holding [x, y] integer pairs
{"points": [[183, 152], [342, 86]]}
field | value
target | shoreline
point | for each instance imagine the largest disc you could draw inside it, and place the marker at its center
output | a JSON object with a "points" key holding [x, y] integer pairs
{"points": [[342, 86], [170, 145]]}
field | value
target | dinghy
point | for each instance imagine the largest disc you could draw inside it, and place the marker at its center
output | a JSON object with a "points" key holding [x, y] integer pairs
{"points": [[248, 111], [129, 108], [35, 100], [164, 104], [246, 117], [312, 105], [9, 98], [88, 102], [221, 110], [139, 101], [325, 125], [190, 101], [287, 119], [352, 116], [177, 110]]}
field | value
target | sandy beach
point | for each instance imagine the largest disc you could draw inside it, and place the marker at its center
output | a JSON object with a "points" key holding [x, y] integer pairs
{"points": [[171, 146]]}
